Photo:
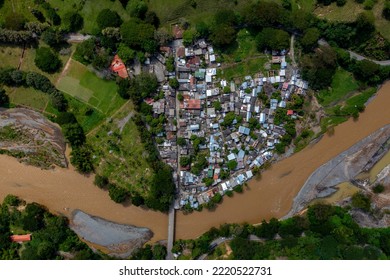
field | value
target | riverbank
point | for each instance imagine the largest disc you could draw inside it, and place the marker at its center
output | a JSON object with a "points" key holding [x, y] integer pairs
{"points": [[344, 167], [64, 190]]}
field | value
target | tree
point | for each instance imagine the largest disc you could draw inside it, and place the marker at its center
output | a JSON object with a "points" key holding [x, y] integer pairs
{"points": [[223, 35], [85, 51], [318, 69], [117, 194], [138, 9], [125, 53], [73, 22], [386, 10], [365, 26], [341, 3], [81, 158], [217, 198], [74, 133], [123, 87], [232, 164], [137, 199], [101, 181], [138, 35], [366, 70], [379, 188], [217, 105], [180, 97], [185, 161], [174, 83], [108, 18], [4, 99], [361, 201], [159, 252], [52, 37], [189, 36], [47, 61], [181, 141], [65, 118], [275, 39], [310, 38]]}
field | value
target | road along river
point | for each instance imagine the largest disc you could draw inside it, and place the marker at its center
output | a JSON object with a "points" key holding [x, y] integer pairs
{"points": [[64, 190]]}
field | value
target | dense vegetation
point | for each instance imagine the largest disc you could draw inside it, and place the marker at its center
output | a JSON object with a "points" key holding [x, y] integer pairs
{"points": [[51, 235], [325, 232]]}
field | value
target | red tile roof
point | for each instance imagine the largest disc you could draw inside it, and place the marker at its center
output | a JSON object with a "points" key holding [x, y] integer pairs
{"points": [[290, 112], [119, 67], [20, 238]]}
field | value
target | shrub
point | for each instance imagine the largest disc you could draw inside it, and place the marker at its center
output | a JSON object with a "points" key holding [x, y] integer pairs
{"points": [[378, 188], [361, 201]]}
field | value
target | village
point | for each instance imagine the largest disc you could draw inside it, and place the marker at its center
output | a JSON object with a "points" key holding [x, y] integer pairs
{"points": [[219, 133]]}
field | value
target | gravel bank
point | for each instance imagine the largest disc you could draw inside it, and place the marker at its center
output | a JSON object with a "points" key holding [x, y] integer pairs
{"points": [[342, 168], [120, 240]]}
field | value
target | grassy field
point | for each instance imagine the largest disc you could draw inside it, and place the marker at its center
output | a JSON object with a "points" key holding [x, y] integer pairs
{"points": [[241, 69], [17, 6], [120, 153], [347, 13], [89, 10], [351, 10], [84, 85], [343, 83], [169, 11], [10, 56], [28, 97]]}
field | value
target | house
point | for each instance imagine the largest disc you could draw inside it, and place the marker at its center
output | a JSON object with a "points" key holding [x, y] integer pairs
{"points": [[119, 67], [20, 238], [273, 104], [244, 130], [290, 112]]}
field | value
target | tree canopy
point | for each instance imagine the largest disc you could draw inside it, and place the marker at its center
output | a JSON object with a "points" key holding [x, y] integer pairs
{"points": [[108, 18], [47, 60], [138, 35]]}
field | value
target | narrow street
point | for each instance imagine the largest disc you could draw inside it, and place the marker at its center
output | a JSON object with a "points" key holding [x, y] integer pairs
{"points": [[171, 222]]}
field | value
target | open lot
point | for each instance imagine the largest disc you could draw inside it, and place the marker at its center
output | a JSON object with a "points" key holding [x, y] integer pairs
{"points": [[85, 86]]}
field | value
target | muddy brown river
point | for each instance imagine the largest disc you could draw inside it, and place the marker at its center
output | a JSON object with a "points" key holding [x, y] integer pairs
{"points": [[63, 190]]}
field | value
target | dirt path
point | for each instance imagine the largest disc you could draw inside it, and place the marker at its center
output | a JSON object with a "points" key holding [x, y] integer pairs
{"points": [[65, 70], [292, 54]]}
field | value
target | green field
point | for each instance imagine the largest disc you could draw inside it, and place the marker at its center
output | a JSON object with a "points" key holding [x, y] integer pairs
{"points": [[10, 56], [85, 86], [351, 10], [120, 154], [89, 10], [28, 97], [17, 6], [343, 83]]}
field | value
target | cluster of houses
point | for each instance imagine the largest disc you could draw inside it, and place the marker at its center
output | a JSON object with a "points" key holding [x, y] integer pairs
{"points": [[234, 146]]}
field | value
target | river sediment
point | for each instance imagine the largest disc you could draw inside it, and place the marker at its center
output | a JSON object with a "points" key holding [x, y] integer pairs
{"points": [[344, 167]]}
